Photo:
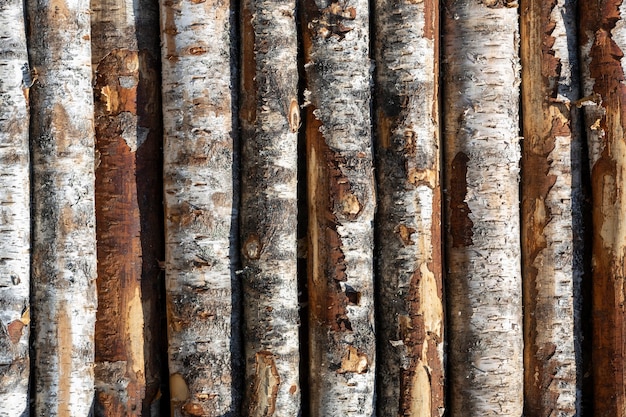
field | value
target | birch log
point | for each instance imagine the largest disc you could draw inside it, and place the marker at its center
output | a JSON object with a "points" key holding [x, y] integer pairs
{"points": [[127, 116], [64, 240], [481, 95], [270, 117], [14, 211], [198, 176], [550, 197], [410, 325], [603, 42], [341, 208]]}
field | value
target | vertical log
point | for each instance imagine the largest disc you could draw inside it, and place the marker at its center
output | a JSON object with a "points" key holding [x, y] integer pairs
{"points": [[270, 118], [551, 148], [341, 208], [198, 176], [14, 211], [64, 240], [481, 128], [127, 121], [603, 42], [410, 305]]}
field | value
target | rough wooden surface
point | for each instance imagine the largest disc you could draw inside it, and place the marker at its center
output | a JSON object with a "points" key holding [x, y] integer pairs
{"points": [[550, 197], [64, 240], [410, 327], [602, 42], [198, 177], [481, 128], [15, 81], [341, 208], [270, 118]]}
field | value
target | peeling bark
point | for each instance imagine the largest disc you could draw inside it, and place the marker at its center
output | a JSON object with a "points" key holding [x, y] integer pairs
{"points": [[270, 118], [127, 121], [551, 149], [603, 40], [410, 318], [14, 211], [198, 176], [341, 208], [64, 239], [481, 80]]}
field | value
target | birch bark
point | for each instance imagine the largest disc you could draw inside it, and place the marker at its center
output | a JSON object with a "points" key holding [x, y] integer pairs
{"points": [[481, 124], [603, 42], [341, 208], [127, 121], [198, 176], [64, 240], [550, 198], [270, 118], [410, 306], [14, 211]]}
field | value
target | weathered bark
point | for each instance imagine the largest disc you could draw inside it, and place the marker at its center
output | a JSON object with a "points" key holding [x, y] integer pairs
{"points": [[341, 208], [64, 239], [270, 117], [603, 40], [410, 305], [481, 94], [551, 149], [14, 211], [198, 176], [127, 116]]}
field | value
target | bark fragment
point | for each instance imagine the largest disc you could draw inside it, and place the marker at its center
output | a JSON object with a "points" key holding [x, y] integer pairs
{"points": [[341, 206], [64, 240], [481, 80], [270, 121], [14, 211], [550, 197], [410, 305], [198, 177]]}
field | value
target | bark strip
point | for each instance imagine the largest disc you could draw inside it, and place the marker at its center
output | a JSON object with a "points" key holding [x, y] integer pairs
{"points": [[410, 305], [198, 164], [551, 149], [341, 208], [270, 118], [603, 42], [64, 238], [127, 121], [481, 127], [15, 81]]}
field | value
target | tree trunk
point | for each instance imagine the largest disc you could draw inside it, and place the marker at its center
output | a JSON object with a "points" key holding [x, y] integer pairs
{"points": [[127, 116], [603, 40], [481, 95], [270, 117], [14, 211], [550, 197], [64, 239], [198, 177], [410, 318], [341, 208]]}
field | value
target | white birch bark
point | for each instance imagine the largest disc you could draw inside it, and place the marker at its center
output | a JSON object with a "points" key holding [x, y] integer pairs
{"points": [[270, 117], [198, 176], [341, 208], [64, 242], [410, 306], [14, 211], [551, 196], [481, 122]]}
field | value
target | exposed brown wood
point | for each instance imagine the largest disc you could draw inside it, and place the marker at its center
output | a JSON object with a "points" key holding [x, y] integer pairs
{"points": [[602, 43]]}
